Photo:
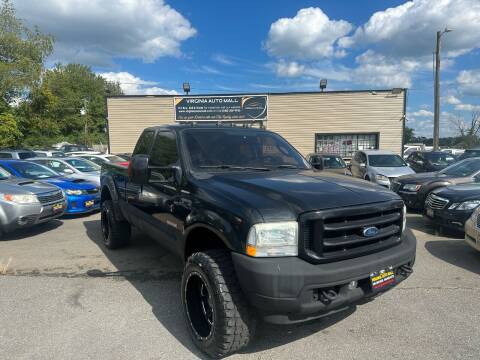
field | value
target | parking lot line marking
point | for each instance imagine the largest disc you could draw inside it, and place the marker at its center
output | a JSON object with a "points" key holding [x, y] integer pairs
{"points": [[4, 270]]}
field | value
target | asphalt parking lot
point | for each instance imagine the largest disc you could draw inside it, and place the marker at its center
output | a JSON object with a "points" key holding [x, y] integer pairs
{"points": [[64, 296]]}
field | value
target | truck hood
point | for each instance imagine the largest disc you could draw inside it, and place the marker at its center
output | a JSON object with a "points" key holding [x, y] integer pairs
{"points": [[283, 195], [24, 186], [459, 193], [392, 171]]}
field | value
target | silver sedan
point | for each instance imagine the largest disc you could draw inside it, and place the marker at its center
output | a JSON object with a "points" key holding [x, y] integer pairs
{"points": [[75, 167]]}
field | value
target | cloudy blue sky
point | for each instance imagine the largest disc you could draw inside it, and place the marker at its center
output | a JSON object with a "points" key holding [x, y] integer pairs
{"points": [[153, 46]]}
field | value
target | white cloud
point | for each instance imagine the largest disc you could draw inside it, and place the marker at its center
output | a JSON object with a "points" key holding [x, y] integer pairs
{"points": [[95, 32], [467, 107], [378, 70], [422, 113], [469, 82], [452, 100], [310, 34], [223, 59], [408, 30], [132, 85], [289, 69]]}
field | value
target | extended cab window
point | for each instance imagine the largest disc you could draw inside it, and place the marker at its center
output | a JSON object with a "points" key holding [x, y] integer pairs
{"points": [[164, 155], [144, 143]]}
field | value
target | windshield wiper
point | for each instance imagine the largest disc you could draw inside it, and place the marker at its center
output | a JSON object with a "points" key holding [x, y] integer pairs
{"points": [[233, 167]]}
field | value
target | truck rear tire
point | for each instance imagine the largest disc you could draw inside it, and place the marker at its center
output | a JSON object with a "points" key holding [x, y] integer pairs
{"points": [[218, 318], [115, 233]]}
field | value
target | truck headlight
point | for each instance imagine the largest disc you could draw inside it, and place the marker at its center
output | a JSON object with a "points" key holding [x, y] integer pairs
{"points": [[21, 198], [381, 177], [412, 187], [273, 239], [74, 192], [468, 205]]}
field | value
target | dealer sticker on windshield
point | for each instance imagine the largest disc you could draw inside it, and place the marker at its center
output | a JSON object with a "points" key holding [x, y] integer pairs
{"points": [[382, 279]]}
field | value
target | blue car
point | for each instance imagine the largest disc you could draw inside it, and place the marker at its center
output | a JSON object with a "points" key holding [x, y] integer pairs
{"points": [[82, 196]]}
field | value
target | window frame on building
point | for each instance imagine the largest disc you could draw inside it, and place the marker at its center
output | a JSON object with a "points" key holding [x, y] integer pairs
{"points": [[348, 154]]}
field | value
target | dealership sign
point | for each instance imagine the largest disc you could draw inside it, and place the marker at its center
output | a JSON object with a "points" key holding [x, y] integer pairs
{"points": [[212, 108]]}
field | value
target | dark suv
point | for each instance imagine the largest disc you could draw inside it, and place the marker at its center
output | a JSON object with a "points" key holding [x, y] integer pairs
{"points": [[260, 232]]}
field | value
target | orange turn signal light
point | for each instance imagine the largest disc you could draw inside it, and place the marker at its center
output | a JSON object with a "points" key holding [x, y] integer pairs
{"points": [[251, 250], [8, 197]]}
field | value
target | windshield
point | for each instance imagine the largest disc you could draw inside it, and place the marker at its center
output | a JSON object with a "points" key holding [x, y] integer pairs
{"points": [[439, 158], [386, 160], [83, 165], [114, 158], [463, 168], [4, 174], [33, 171], [240, 148], [333, 162]]}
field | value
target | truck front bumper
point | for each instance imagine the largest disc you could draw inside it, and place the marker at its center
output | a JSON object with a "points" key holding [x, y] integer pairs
{"points": [[286, 290]]}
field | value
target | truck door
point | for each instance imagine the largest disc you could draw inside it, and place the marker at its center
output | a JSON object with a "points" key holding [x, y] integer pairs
{"points": [[159, 200]]}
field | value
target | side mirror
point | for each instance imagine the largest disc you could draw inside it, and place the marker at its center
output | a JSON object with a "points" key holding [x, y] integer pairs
{"points": [[138, 172], [68, 171]]}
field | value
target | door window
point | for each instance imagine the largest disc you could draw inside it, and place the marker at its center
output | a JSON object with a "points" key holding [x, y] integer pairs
{"points": [[164, 155]]}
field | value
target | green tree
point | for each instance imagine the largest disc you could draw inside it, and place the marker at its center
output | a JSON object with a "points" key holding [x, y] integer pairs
{"points": [[69, 104], [22, 52], [408, 135], [9, 132]]}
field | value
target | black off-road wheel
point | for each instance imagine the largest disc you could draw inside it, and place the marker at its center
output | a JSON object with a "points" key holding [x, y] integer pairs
{"points": [[115, 233], [217, 316]]}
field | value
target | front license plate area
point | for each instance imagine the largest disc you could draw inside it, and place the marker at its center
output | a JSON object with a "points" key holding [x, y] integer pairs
{"points": [[89, 203], [382, 279]]}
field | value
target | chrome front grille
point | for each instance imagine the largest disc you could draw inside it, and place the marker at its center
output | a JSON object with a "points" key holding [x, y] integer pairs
{"points": [[436, 202], [50, 197]]}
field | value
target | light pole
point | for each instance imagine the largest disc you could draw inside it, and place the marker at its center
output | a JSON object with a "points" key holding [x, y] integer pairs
{"points": [[436, 99]]}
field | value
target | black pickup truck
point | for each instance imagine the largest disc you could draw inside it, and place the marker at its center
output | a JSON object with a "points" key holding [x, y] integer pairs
{"points": [[262, 234]]}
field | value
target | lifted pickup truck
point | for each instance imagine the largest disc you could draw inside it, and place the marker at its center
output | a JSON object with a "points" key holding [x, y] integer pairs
{"points": [[262, 234]]}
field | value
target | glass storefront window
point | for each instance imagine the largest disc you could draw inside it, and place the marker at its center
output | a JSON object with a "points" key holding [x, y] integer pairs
{"points": [[345, 145]]}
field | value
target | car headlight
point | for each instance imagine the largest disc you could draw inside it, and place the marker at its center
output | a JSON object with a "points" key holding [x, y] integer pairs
{"points": [[74, 192], [21, 198], [467, 205], [404, 222], [273, 239], [381, 177], [412, 187]]}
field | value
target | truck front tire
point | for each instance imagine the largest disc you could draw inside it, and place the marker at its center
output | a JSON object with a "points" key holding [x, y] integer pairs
{"points": [[115, 233], [216, 312]]}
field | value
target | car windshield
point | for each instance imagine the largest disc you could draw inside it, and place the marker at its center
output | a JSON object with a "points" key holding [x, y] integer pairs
{"points": [[83, 165], [58, 154], [4, 174], [33, 171], [463, 168], [240, 148], [114, 158], [386, 160], [333, 162], [439, 158]]}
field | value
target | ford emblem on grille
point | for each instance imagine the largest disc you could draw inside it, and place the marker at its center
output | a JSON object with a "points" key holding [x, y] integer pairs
{"points": [[370, 231]]}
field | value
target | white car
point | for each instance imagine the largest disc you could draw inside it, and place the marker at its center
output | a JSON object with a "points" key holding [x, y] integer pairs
{"points": [[472, 230], [74, 167], [100, 159], [86, 152], [49, 153]]}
